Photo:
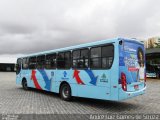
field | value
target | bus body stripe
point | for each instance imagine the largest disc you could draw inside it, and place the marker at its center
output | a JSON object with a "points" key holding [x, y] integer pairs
{"points": [[46, 79], [33, 77], [76, 76], [92, 77]]}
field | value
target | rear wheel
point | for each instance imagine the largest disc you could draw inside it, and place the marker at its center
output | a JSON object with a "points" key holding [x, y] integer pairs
{"points": [[24, 84], [65, 92]]}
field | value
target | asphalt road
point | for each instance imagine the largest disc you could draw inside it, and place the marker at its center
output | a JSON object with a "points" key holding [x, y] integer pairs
{"points": [[15, 100]]}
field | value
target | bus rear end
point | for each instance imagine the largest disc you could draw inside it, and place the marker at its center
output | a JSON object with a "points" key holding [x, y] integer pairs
{"points": [[132, 74]]}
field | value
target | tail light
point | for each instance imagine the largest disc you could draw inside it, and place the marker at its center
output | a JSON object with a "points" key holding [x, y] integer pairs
{"points": [[123, 81]]}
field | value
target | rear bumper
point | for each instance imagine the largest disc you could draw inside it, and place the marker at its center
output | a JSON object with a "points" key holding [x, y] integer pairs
{"points": [[126, 95]]}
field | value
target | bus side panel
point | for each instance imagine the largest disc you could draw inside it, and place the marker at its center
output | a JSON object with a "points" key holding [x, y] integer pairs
{"points": [[27, 75], [49, 78], [94, 84], [65, 76], [99, 84], [85, 83], [42, 79], [23, 74]]}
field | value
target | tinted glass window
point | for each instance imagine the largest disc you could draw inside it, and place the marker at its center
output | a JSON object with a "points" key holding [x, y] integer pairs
{"points": [[102, 56], [84, 58], [95, 62], [51, 61], [67, 59], [64, 60], [107, 51], [76, 54], [84, 53], [95, 59], [60, 60], [107, 56], [25, 63], [41, 62], [80, 58], [32, 62], [95, 52], [18, 66]]}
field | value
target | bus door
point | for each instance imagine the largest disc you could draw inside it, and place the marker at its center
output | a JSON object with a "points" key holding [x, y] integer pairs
{"points": [[18, 66], [25, 70], [18, 71]]}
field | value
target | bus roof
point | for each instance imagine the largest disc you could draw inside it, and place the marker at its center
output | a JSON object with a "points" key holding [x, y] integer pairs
{"points": [[133, 40], [81, 46]]}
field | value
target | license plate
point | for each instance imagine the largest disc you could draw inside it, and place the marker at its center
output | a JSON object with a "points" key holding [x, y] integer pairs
{"points": [[136, 87]]}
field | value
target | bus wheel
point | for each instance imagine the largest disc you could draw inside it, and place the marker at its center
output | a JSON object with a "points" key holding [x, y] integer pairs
{"points": [[24, 84], [65, 92]]}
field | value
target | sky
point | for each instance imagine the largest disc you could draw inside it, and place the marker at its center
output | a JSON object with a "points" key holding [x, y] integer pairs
{"points": [[28, 26]]}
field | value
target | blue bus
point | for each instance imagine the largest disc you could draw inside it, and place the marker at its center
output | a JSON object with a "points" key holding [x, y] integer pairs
{"points": [[112, 69]]}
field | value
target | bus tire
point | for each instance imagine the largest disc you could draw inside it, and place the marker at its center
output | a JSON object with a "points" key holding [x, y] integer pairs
{"points": [[24, 84], [65, 92]]}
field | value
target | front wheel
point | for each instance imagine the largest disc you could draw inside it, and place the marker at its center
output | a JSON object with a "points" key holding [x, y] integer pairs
{"points": [[65, 92], [24, 85]]}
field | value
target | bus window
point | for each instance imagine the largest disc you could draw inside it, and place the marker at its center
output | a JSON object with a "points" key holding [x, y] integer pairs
{"points": [[80, 58], [95, 57], [107, 56], [76, 57], [63, 60], [51, 61], [84, 58], [18, 66], [60, 60], [32, 62], [41, 62], [67, 58], [25, 63]]}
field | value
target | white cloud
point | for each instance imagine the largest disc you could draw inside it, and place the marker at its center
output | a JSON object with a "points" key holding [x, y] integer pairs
{"points": [[28, 26]]}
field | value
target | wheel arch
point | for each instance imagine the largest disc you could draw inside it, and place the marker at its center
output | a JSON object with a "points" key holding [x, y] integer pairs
{"points": [[64, 82], [23, 79]]}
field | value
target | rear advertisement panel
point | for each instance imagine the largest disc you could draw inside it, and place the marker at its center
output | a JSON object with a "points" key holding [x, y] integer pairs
{"points": [[132, 61]]}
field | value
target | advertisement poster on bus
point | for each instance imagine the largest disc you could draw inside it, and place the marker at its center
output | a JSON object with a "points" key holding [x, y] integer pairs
{"points": [[132, 61]]}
